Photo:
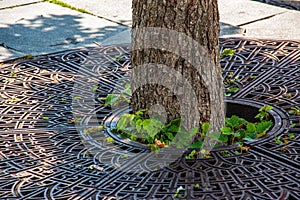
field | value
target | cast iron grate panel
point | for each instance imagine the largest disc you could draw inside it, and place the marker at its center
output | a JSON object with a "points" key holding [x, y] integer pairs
{"points": [[43, 156]]}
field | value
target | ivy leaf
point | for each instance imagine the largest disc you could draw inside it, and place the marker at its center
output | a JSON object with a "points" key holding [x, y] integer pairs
{"points": [[234, 121], [139, 114], [193, 131], [124, 120], [214, 135], [111, 99], [233, 89], [227, 52], [263, 127], [218, 136], [205, 127], [251, 128], [169, 135], [173, 126], [152, 126], [291, 136], [265, 108], [196, 145], [237, 134], [139, 125], [223, 138], [227, 131], [127, 90]]}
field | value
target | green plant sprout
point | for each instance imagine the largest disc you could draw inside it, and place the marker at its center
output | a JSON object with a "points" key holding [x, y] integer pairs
{"points": [[178, 190], [116, 99], [197, 186], [227, 52], [294, 111], [158, 135], [94, 88], [263, 113], [231, 90]]}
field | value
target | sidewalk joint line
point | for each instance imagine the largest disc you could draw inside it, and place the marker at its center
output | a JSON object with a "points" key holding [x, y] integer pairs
{"points": [[260, 19], [20, 5]]}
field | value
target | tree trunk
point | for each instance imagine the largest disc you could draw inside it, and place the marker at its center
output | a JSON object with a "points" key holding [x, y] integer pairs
{"points": [[175, 60]]}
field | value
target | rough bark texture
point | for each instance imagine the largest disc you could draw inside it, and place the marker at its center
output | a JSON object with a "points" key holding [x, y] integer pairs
{"points": [[197, 20]]}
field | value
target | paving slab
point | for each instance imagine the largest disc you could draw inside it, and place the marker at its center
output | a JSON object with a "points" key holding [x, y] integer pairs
{"points": [[260, 20], [115, 10], [12, 3], [284, 26], [236, 12], [44, 28]]}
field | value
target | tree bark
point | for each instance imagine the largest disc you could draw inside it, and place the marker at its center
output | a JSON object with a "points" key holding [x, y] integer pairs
{"points": [[175, 61]]}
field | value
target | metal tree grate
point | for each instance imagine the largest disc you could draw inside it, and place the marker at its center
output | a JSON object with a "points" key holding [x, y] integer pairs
{"points": [[44, 155]]}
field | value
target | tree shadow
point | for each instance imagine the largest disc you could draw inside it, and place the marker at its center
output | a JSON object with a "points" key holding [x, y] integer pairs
{"points": [[230, 30], [289, 4], [51, 33]]}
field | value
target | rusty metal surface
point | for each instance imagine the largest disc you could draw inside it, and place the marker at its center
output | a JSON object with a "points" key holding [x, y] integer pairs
{"points": [[44, 155]]}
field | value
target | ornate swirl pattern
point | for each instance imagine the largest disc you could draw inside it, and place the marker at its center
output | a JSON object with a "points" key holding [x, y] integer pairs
{"points": [[43, 155]]}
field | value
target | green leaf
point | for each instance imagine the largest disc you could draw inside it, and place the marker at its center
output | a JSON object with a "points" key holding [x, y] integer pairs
{"points": [[263, 127], [227, 52], [265, 108], [205, 127], [94, 88], [124, 156], [124, 120], [260, 116], [193, 131], [45, 118], [111, 99], [139, 114], [227, 131], [169, 135], [232, 89], [152, 126], [173, 128], [251, 128], [118, 58], [235, 121], [139, 125], [76, 97], [237, 134], [223, 138], [127, 90], [196, 145], [214, 135], [110, 139], [197, 186], [291, 136], [191, 155]]}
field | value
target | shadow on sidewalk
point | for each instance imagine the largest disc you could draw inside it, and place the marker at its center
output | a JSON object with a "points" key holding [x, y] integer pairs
{"points": [[51, 33]]}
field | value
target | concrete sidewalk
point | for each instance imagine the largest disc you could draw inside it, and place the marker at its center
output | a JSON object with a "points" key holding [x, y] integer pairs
{"points": [[37, 27]]}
